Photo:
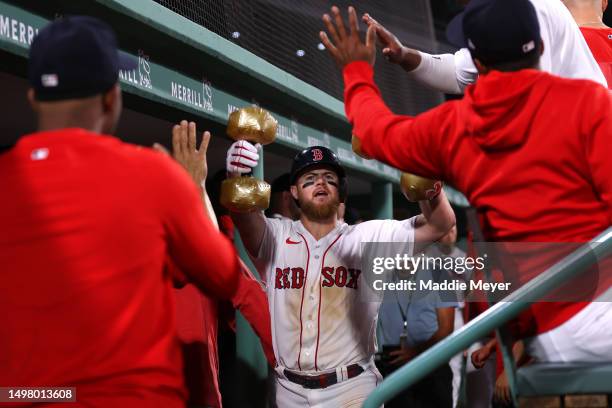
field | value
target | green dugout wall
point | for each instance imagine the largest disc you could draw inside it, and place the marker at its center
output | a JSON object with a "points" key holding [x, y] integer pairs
{"points": [[186, 71]]}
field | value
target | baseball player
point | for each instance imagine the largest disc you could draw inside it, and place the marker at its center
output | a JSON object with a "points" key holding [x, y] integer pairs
{"points": [[199, 316], [322, 332], [589, 17], [530, 150], [566, 54], [87, 224]]}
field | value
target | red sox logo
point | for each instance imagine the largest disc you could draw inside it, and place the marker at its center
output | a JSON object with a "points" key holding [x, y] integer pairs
{"points": [[317, 154], [293, 278]]}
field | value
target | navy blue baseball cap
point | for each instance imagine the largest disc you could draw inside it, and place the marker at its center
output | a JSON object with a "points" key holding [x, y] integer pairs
{"points": [[75, 57], [315, 156], [497, 31]]}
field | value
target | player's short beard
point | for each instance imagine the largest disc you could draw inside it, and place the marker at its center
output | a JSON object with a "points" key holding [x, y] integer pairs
{"points": [[320, 212]]}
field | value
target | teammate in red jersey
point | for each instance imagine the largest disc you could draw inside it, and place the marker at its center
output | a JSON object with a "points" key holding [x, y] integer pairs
{"points": [[530, 151], [589, 17], [198, 315], [87, 224]]}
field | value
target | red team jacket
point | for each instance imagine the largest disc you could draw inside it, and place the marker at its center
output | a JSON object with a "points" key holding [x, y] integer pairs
{"points": [[600, 43], [530, 150], [198, 324], [86, 225]]}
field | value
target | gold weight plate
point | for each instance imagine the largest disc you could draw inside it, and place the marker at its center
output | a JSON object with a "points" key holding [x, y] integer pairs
{"points": [[415, 187], [252, 123], [245, 194]]}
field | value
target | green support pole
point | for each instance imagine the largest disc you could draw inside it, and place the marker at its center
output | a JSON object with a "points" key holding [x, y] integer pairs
{"points": [[382, 200], [248, 346]]}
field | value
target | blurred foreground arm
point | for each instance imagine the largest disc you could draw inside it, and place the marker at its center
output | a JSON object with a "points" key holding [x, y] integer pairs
{"points": [[448, 73], [198, 249], [410, 144], [436, 219]]}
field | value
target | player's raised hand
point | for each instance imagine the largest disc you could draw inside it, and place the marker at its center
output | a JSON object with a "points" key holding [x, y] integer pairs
{"points": [[186, 153], [391, 47], [242, 157], [346, 47]]}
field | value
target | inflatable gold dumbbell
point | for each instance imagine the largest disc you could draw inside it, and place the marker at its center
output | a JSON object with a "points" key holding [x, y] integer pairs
{"points": [[246, 193], [416, 188]]}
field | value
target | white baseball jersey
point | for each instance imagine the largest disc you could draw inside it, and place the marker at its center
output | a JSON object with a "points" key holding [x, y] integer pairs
{"points": [[566, 54], [319, 320]]}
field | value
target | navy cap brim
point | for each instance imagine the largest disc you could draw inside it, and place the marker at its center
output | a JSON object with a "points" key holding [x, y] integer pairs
{"points": [[126, 61], [454, 29]]}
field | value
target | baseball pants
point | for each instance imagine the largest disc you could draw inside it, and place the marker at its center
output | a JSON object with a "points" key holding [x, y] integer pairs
{"points": [[583, 338], [351, 393]]}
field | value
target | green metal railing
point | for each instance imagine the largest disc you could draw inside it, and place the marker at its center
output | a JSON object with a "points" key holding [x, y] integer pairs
{"points": [[585, 256]]}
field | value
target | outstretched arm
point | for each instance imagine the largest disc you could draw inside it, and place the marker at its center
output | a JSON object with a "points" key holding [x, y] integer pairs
{"points": [[250, 297], [192, 159], [448, 73], [207, 258], [411, 144], [252, 227], [436, 219], [242, 157]]}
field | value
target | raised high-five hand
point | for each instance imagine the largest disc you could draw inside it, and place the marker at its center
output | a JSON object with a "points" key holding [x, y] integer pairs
{"points": [[347, 47], [392, 48], [185, 152]]}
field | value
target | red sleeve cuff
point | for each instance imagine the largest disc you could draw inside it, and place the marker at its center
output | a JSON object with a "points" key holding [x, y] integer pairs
{"points": [[357, 71]]}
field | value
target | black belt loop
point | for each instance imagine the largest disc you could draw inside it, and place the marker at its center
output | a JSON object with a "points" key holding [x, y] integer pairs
{"points": [[321, 380]]}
